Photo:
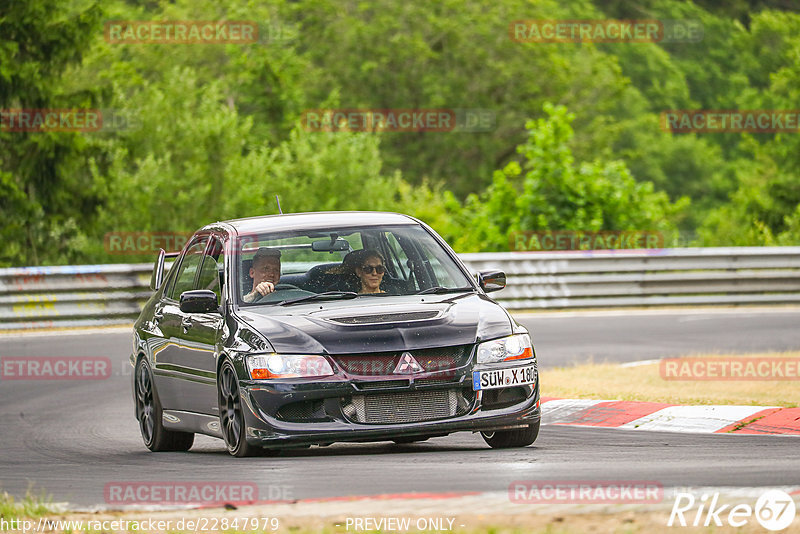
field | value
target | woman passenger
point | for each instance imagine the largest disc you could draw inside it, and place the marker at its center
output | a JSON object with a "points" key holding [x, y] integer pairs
{"points": [[369, 267]]}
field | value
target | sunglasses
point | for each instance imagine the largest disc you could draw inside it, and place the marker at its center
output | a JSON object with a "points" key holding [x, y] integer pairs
{"points": [[380, 269]]}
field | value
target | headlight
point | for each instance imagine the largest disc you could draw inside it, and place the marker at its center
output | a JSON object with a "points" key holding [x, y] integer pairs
{"points": [[265, 366], [516, 347]]}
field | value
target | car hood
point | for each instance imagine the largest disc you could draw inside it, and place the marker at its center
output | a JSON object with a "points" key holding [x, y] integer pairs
{"points": [[378, 324]]}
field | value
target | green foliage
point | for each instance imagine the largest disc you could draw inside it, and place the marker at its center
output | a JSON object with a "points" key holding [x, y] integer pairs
{"points": [[198, 163], [764, 210], [550, 190], [45, 194], [217, 130]]}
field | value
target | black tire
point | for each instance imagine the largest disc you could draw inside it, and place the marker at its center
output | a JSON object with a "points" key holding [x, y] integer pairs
{"points": [[149, 414], [231, 415], [505, 439]]}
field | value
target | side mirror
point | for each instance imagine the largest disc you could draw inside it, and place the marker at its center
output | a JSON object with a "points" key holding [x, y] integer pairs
{"points": [[492, 280], [199, 301], [157, 278]]}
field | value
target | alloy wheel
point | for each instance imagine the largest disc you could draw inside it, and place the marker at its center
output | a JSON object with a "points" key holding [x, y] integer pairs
{"points": [[145, 406], [230, 407]]}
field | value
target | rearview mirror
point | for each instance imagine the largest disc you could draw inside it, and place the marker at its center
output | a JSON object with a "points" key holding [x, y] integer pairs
{"points": [[199, 301], [492, 280], [327, 245]]}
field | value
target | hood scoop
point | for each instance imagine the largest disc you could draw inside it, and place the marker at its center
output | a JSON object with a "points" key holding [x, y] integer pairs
{"points": [[383, 318]]}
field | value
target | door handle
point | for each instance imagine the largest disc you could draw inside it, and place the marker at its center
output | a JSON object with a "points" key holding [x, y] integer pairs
{"points": [[186, 323]]}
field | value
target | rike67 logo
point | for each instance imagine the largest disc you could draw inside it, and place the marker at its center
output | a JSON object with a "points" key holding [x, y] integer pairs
{"points": [[774, 510]]}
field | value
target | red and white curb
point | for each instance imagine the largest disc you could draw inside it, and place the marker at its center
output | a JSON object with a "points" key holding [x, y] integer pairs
{"points": [[671, 418]]}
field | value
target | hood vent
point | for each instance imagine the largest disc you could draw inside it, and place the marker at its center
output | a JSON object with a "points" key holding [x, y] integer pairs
{"points": [[386, 318]]}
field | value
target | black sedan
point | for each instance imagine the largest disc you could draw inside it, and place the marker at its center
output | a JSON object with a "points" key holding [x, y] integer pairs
{"points": [[293, 330]]}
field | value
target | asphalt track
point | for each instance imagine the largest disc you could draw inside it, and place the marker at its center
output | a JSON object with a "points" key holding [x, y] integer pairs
{"points": [[71, 438]]}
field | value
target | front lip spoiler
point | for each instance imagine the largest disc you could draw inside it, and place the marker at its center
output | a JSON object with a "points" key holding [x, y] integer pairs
{"points": [[521, 415]]}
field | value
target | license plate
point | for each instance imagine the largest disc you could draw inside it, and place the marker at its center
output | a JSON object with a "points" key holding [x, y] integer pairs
{"points": [[503, 378]]}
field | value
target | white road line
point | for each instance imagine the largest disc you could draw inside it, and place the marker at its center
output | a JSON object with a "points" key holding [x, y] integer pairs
{"points": [[639, 363]]}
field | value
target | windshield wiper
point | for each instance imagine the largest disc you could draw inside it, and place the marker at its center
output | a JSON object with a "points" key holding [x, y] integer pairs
{"points": [[327, 295], [439, 289]]}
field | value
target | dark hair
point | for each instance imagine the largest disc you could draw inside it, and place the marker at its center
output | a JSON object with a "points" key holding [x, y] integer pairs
{"points": [[266, 252], [357, 258], [372, 253]]}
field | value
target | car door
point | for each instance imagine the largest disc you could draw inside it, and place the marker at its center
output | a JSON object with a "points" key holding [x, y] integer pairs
{"points": [[167, 370], [199, 337]]}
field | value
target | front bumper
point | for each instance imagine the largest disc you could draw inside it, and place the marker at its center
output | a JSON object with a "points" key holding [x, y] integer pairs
{"points": [[296, 413]]}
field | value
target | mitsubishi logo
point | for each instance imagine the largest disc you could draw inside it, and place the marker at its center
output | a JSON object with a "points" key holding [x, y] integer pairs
{"points": [[408, 365]]}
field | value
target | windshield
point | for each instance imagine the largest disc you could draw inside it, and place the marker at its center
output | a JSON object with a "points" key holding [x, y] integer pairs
{"points": [[337, 263]]}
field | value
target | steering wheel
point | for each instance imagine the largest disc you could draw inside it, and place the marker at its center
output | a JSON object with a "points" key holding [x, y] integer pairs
{"points": [[275, 296], [279, 287]]}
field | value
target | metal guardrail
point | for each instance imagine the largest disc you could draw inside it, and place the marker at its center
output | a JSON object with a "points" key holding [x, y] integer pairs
{"points": [[42, 297], [658, 277]]}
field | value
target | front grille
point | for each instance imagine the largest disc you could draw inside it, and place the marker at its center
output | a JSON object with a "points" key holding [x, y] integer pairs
{"points": [[434, 381], [384, 363], [386, 318], [303, 412], [411, 407], [378, 384], [494, 399]]}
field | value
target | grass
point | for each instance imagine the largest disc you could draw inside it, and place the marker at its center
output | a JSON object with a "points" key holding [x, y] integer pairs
{"points": [[30, 506], [644, 383]]}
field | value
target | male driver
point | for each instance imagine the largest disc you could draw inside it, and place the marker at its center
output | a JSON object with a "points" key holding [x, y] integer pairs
{"points": [[265, 272]]}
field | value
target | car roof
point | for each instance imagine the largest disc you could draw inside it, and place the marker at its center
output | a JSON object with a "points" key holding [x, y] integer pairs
{"points": [[316, 220]]}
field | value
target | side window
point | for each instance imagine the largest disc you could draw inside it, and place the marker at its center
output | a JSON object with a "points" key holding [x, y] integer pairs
{"points": [[210, 270], [446, 275], [169, 276], [397, 256], [188, 269]]}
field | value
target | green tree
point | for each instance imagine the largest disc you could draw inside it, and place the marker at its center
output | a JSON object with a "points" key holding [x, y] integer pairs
{"points": [[47, 197], [550, 190], [200, 161]]}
